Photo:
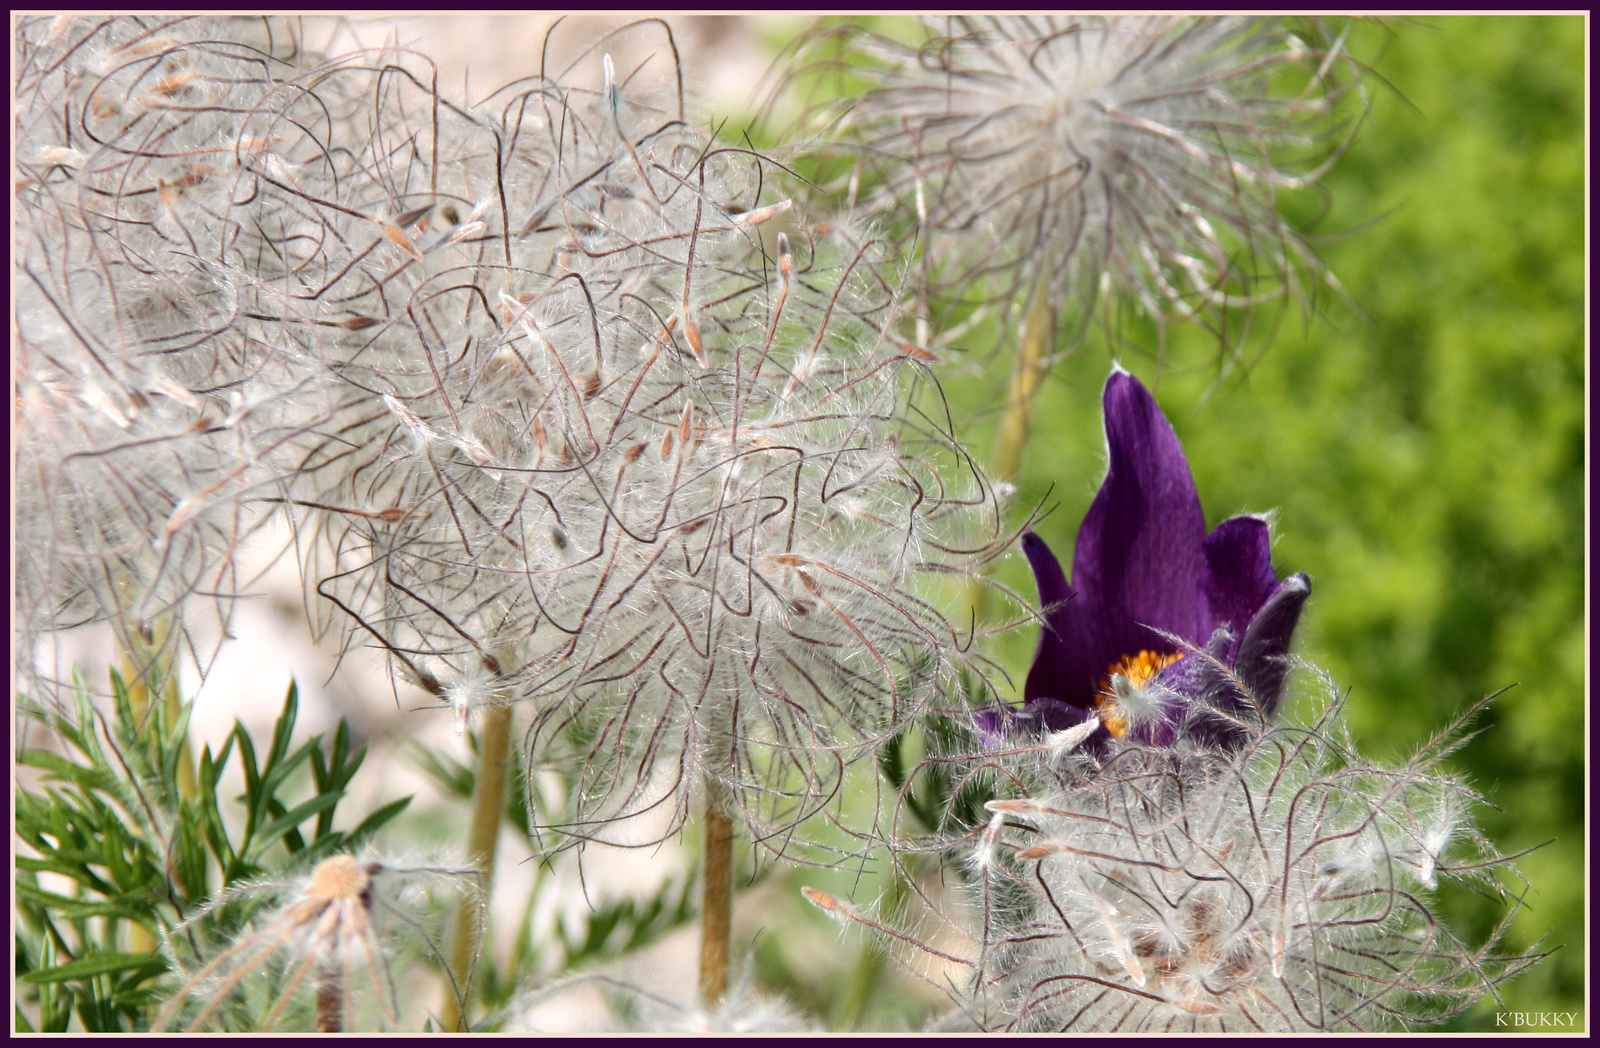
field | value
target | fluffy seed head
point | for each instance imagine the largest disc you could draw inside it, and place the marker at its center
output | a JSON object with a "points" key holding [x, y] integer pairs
{"points": [[1079, 155], [554, 423], [160, 366], [324, 958], [1282, 887], [609, 457], [1278, 883]]}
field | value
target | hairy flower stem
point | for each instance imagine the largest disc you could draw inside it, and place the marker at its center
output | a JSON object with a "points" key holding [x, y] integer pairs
{"points": [[330, 999], [716, 903], [1038, 337], [483, 837]]}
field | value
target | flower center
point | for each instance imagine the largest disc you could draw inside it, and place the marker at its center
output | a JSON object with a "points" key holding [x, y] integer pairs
{"points": [[1136, 671]]}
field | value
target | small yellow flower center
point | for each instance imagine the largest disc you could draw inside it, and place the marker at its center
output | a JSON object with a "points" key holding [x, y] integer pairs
{"points": [[1137, 670]]}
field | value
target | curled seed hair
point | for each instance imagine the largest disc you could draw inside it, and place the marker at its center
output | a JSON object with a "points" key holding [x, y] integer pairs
{"points": [[586, 419], [1282, 886], [1117, 159], [164, 367]]}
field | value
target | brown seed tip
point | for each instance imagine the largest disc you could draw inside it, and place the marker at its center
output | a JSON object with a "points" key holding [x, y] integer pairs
{"points": [[692, 331], [785, 259], [171, 85], [1039, 851], [916, 352], [684, 422], [822, 900], [761, 214], [398, 236]]}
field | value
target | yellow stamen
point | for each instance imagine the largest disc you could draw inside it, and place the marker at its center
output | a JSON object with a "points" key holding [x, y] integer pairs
{"points": [[1139, 670]]}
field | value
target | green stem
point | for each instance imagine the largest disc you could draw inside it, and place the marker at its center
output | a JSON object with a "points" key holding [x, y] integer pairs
{"points": [[716, 899], [1038, 339], [483, 838]]}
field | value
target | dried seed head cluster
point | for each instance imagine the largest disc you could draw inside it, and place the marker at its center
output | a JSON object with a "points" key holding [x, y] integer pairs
{"points": [[1079, 155], [594, 446], [1282, 886], [322, 961], [556, 417], [739, 569], [157, 371]]}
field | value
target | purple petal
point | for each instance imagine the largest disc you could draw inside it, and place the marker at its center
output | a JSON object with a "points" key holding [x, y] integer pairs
{"points": [[1042, 716], [1204, 686], [1239, 576], [1221, 716], [994, 725], [1262, 663], [1140, 561], [1065, 667], [998, 724]]}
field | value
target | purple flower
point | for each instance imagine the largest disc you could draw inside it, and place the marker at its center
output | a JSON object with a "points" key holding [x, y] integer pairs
{"points": [[1149, 587]]}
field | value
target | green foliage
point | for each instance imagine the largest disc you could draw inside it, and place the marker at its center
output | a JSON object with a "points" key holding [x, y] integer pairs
{"points": [[619, 926], [139, 856]]}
